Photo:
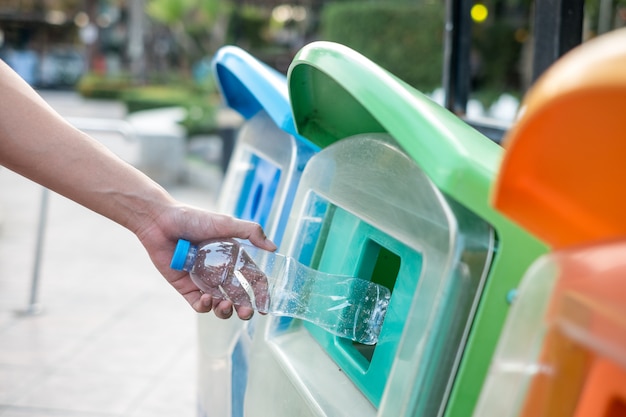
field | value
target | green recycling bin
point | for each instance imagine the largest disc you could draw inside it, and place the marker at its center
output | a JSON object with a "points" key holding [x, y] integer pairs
{"points": [[399, 195]]}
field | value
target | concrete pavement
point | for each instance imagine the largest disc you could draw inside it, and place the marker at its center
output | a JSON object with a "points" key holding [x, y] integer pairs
{"points": [[113, 338]]}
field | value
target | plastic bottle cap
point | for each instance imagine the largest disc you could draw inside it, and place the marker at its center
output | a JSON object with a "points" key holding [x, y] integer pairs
{"points": [[180, 254]]}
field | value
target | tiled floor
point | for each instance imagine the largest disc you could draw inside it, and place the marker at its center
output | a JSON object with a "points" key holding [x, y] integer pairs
{"points": [[113, 339]]}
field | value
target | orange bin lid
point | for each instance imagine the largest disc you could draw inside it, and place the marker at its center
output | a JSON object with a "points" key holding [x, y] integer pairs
{"points": [[563, 176]]}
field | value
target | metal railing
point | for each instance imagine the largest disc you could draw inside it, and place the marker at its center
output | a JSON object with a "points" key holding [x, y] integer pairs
{"points": [[115, 126]]}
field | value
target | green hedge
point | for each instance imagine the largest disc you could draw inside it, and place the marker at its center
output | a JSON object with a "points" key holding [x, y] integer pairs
{"points": [[200, 103], [246, 27], [406, 40], [199, 99], [101, 87], [155, 96]]}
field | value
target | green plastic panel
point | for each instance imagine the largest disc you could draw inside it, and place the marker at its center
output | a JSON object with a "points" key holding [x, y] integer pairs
{"points": [[353, 248], [336, 92]]}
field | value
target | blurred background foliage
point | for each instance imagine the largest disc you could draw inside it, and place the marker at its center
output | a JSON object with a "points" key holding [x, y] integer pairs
{"points": [[156, 53], [404, 38]]}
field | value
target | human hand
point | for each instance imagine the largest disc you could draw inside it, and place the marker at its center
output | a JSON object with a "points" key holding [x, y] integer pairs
{"points": [[47, 149], [161, 234]]}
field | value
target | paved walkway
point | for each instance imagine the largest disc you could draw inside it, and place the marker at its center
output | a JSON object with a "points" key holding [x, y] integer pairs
{"points": [[113, 339]]}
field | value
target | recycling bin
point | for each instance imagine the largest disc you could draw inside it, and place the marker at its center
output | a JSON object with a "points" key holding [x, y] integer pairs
{"points": [[259, 185], [399, 194], [565, 155], [563, 349]]}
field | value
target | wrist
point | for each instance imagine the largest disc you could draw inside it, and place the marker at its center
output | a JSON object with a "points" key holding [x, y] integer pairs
{"points": [[139, 208]]}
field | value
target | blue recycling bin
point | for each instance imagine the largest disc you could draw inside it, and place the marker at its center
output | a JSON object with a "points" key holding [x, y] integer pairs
{"points": [[269, 156], [259, 185]]}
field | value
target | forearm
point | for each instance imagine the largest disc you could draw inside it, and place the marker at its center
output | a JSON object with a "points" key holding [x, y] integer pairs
{"points": [[37, 143]]}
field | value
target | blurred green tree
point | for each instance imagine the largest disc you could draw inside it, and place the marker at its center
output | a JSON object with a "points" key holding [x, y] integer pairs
{"points": [[197, 27], [406, 38]]}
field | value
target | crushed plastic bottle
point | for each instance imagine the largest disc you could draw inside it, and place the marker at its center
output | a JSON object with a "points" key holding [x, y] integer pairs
{"points": [[276, 284]]}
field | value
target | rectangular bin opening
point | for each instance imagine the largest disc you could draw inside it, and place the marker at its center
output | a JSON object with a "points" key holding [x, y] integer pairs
{"points": [[322, 235], [258, 190], [349, 245], [379, 265], [313, 230]]}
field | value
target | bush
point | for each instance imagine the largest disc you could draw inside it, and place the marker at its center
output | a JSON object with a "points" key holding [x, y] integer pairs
{"points": [[201, 116], [247, 27], [200, 99], [92, 85], [200, 104], [154, 96], [407, 40]]}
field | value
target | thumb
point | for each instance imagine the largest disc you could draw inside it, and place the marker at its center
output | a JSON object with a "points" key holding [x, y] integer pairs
{"points": [[227, 226]]}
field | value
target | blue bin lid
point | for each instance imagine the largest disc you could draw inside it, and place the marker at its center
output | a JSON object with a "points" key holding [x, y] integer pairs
{"points": [[248, 86]]}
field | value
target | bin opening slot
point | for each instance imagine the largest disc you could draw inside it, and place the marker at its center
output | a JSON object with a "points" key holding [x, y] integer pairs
{"points": [[381, 266], [258, 191], [256, 200]]}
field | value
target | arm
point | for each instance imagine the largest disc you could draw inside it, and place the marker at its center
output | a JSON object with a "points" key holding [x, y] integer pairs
{"points": [[39, 144]]}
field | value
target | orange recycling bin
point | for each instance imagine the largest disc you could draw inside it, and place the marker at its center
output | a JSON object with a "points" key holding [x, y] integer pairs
{"points": [[563, 350], [563, 173], [604, 393]]}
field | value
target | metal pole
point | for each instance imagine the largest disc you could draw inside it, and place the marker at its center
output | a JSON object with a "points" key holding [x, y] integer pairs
{"points": [[34, 307], [456, 66], [558, 28], [135, 39], [605, 16]]}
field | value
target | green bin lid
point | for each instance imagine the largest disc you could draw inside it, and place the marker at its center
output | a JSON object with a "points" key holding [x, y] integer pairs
{"points": [[336, 92]]}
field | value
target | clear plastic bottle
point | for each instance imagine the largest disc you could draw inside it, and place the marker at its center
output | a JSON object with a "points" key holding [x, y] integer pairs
{"points": [[272, 283]]}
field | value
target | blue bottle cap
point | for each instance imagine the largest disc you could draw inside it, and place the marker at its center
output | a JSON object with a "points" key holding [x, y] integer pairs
{"points": [[180, 254]]}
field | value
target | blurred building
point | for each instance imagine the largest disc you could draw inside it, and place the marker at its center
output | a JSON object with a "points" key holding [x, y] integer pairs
{"points": [[52, 43]]}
